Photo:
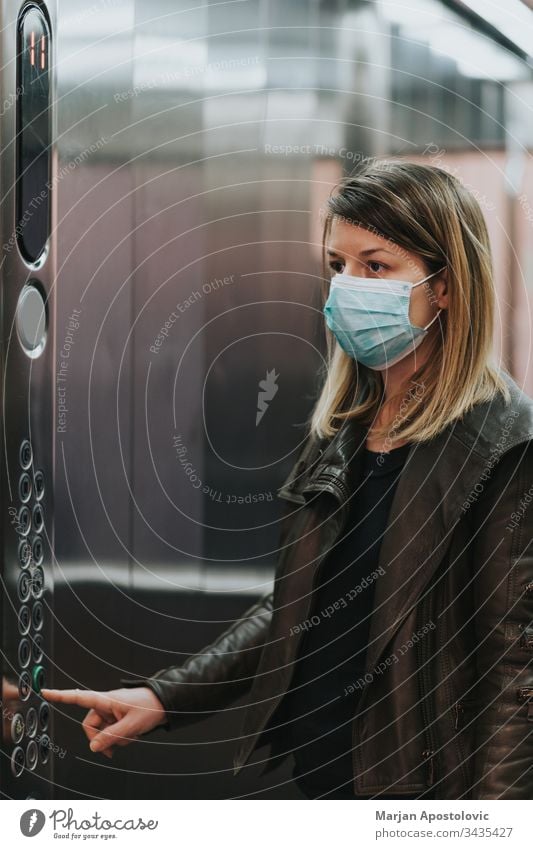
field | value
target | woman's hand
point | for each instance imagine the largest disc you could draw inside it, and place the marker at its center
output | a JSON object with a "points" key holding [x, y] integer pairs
{"points": [[115, 718]]}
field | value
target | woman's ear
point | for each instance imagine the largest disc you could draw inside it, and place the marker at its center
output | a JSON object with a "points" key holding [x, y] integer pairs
{"points": [[441, 289]]}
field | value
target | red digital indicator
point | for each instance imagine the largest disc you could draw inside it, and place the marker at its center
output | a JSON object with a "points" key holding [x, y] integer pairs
{"points": [[33, 61]]}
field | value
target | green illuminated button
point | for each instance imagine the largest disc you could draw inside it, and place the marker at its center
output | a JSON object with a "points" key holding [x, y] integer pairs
{"points": [[38, 678]]}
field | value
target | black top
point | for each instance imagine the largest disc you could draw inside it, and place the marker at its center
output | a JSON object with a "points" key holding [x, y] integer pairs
{"points": [[319, 708]]}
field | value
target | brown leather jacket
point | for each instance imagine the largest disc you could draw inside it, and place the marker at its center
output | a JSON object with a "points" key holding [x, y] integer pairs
{"points": [[447, 706]]}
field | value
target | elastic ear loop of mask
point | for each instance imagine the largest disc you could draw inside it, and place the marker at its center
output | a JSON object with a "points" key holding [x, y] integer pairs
{"points": [[423, 281]]}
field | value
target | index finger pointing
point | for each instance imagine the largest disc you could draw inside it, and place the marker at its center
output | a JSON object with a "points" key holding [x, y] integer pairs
{"points": [[83, 698]]}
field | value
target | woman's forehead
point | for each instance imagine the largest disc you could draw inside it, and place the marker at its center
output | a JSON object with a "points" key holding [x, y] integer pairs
{"points": [[356, 239]]}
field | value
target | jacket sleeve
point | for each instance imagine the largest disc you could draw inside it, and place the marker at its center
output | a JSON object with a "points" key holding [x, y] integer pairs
{"points": [[215, 676], [221, 672], [503, 617]]}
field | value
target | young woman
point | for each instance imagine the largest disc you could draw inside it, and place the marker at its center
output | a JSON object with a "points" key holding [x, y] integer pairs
{"points": [[393, 658]]}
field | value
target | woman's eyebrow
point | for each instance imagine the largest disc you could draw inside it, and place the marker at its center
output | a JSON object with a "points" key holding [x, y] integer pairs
{"points": [[366, 252], [375, 251]]}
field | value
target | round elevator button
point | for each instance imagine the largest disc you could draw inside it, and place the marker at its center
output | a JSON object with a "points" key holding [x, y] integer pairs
{"points": [[38, 519], [38, 678], [38, 480], [24, 652], [24, 619], [17, 761], [31, 320], [37, 648], [31, 722], [25, 487], [44, 715], [38, 552], [24, 686], [17, 728], [25, 454], [45, 745], [36, 581], [24, 586], [24, 553], [37, 616], [32, 755], [24, 521]]}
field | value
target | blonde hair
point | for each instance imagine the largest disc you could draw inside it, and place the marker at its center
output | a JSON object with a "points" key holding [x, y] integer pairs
{"points": [[429, 212]]}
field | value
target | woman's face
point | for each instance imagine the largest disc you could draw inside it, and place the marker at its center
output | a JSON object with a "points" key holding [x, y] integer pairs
{"points": [[360, 253]]}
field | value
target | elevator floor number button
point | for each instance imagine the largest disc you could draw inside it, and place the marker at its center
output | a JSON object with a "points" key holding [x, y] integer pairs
{"points": [[17, 728], [17, 761], [37, 648], [24, 652], [24, 619], [24, 553], [45, 745], [24, 586], [25, 454], [38, 480], [31, 722], [32, 755], [37, 548], [38, 519], [36, 581], [25, 487], [24, 521], [44, 715], [37, 616], [24, 686]]}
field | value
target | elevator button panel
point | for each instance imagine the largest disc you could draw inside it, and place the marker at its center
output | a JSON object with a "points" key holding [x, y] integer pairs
{"points": [[31, 743]]}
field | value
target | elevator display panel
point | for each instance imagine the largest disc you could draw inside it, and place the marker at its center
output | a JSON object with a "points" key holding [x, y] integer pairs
{"points": [[33, 134]]}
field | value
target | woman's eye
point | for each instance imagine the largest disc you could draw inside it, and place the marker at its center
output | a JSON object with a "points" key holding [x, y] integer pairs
{"points": [[376, 270], [336, 266]]}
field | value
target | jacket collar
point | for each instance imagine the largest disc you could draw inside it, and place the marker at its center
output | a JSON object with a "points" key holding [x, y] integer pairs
{"points": [[428, 501], [488, 429]]}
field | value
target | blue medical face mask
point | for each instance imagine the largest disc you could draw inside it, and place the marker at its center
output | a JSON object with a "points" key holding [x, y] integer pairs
{"points": [[370, 318]]}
